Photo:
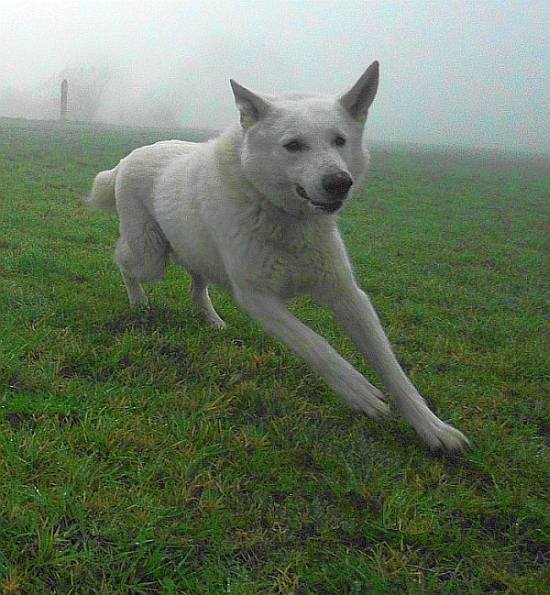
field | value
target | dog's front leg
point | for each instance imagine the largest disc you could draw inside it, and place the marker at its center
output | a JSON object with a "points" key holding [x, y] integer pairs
{"points": [[272, 314], [355, 313]]}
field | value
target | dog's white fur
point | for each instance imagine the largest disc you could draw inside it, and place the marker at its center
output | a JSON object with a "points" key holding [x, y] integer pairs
{"points": [[251, 212]]}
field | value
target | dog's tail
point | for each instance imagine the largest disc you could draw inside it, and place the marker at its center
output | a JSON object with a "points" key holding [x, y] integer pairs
{"points": [[102, 195]]}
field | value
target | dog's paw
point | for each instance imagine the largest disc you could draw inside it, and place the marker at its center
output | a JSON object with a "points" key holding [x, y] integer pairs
{"points": [[441, 436], [140, 307], [372, 403], [217, 324], [211, 318]]}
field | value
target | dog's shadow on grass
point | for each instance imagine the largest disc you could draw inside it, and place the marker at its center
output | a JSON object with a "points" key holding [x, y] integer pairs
{"points": [[154, 317]]}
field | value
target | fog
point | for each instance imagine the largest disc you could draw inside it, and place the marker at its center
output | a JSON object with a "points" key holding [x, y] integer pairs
{"points": [[453, 72]]}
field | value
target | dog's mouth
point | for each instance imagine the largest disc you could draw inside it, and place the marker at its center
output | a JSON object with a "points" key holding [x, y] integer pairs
{"points": [[327, 207]]}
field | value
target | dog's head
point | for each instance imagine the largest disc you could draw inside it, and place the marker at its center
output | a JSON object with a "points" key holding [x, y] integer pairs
{"points": [[304, 152]]}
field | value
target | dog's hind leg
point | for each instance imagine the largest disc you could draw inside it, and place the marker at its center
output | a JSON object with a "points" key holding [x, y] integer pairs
{"points": [[123, 257], [141, 255], [202, 304], [136, 295]]}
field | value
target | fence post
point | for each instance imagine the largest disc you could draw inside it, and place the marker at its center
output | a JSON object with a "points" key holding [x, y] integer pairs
{"points": [[64, 91]]}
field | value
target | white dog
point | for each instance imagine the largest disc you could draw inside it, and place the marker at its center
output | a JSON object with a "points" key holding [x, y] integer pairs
{"points": [[254, 211]]}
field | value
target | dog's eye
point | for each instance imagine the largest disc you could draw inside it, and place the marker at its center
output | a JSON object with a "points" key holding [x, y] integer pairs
{"points": [[339, 141], [294, 146]]}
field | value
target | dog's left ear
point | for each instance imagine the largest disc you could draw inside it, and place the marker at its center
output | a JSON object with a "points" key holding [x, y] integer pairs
{"points": [[359, 98], [252, 106]]}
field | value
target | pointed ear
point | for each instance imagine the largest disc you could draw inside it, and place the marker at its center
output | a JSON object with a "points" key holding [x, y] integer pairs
{"points": [[359, 98], [252, 106]]}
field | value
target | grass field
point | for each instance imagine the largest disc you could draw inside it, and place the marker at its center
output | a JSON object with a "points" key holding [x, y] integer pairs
{"points": [[142, 452]]}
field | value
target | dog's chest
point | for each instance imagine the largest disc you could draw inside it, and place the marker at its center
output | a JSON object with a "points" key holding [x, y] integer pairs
{"points": [[287, 268]]}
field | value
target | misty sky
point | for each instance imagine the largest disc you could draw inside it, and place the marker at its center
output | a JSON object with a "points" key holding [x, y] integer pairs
{"points": [[452, 72]]}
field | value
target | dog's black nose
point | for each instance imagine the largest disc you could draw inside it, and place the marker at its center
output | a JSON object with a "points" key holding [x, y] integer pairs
{"points": [[337, 184]]}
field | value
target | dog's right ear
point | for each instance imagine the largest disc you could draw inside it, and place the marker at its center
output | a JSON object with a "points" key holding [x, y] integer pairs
{"points": [[359, 98], [252, 106]]}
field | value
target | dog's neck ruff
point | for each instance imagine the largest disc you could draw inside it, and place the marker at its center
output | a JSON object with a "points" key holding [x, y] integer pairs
{"points": [[228, 149]]}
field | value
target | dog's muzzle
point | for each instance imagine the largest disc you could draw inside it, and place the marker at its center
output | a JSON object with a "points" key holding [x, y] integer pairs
{"points": [[336, 187]]}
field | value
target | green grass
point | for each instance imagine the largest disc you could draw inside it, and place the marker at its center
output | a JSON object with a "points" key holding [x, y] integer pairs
{"points": [[142, 452]]}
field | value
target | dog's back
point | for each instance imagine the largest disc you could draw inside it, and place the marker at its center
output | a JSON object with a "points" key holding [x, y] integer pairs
{"points": [[132, 180]]}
